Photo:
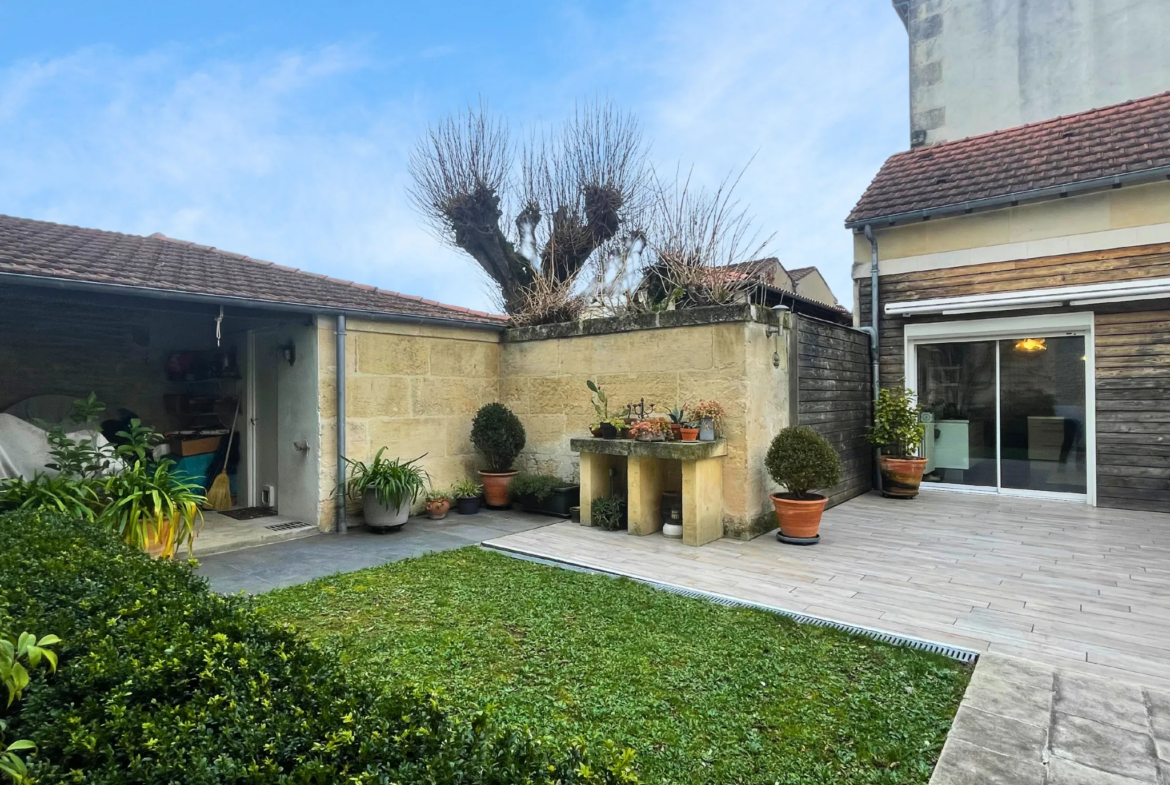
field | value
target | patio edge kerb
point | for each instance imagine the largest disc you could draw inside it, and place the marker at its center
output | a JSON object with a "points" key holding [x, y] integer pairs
{"points": [[958, 653]]}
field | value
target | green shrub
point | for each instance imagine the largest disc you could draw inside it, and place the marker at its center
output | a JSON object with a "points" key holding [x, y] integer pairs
{"points": [[802, 460], [498, 436], [161, 681], [606, 513], [538, 486], [897, 426]]}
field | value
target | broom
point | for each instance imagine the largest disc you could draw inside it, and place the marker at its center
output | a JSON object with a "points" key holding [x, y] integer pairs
{"points": [[219, 495]]}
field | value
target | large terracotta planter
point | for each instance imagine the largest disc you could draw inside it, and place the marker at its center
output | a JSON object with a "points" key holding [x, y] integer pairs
{"points": [[901, 476], [800, 519], [496, 492]]}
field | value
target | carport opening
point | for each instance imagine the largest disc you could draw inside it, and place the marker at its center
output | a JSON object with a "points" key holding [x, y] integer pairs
{"points": [[158, 361]]}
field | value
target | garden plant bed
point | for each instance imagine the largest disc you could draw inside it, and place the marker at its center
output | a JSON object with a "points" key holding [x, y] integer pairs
{"points": [[702, 692], [556, 503]]}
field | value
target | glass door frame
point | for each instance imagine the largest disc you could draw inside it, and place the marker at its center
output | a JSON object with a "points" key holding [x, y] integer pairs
{"points": [[1075, 323]]}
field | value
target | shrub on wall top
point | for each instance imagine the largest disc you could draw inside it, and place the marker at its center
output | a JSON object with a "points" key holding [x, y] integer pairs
{"points": [[161, 681], [498, 436]]}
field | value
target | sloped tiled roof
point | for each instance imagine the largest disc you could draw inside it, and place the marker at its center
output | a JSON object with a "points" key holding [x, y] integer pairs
{"points": [[1122, 139], [49, 250], [801, 272], [755, 270]]}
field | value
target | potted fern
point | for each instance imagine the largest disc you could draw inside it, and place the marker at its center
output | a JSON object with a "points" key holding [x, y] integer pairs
{"points": [[498, 436], [897, 430], [387, 487], [802, 461]]}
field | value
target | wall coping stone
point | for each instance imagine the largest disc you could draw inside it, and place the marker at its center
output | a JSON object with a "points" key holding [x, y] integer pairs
{"points": [[683, 317]]}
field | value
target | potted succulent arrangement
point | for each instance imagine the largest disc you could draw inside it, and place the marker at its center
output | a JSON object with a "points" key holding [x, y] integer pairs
{"points": [[498, 436], [546, 494], [898, 431], [709, 414], [437, 504], [801, 460], [387, 487], [677, 418], [654, 430], [466, 493]]}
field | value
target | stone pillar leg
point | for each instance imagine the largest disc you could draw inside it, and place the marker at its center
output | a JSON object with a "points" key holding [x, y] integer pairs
{"points": [[594, 482], [644, 494], [702, 500]]}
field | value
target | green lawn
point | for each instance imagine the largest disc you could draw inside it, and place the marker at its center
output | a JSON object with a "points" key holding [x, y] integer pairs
{"points": [[702, 693]]}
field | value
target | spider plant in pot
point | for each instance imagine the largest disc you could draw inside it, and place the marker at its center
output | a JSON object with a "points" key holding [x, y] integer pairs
{"points": [[151, 507], [801, 460], [437, 504], [898, 430], [387, 488], [498, 436], [466, 493]]}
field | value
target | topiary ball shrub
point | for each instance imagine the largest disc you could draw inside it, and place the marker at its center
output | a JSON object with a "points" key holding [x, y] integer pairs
{"points": [[498, 436], [802, 460]]}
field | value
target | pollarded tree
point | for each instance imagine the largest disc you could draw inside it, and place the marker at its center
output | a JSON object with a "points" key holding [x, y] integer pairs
{"points": [[572, 192]]}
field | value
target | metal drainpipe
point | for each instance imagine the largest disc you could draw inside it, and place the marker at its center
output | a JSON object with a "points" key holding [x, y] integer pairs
{"points": [[341, 525], [874, 336]]}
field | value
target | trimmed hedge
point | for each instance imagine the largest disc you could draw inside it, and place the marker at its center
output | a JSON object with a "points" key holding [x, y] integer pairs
{"points": [[161, 681]]}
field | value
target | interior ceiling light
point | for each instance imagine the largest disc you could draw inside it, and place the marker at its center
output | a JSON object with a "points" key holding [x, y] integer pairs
{"points": [[1031, 345]]}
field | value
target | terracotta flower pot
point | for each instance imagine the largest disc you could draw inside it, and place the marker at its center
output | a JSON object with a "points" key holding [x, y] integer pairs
{"points": [[901, 477], [689, 434], [799, 518], [676, 429], [437, 510], [495, 488]]}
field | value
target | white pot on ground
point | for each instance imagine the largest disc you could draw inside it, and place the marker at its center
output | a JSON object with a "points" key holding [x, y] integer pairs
{"points": [[379, 516]]}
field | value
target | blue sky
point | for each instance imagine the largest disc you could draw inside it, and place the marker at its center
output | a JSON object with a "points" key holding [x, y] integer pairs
{"points": [[281, 130]]}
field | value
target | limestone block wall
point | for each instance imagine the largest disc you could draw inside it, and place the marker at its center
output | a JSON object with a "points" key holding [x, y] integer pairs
{"points": [[669, 359], [410, 388]]}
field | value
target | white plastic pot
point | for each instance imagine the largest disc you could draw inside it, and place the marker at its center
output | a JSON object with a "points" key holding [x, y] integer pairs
{"points": [[379, 516]]}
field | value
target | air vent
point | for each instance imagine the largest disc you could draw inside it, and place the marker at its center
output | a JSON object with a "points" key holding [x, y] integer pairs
{"points": [[966, 656]]}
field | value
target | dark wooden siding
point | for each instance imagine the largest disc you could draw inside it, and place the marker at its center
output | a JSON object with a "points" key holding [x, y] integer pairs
{"points": [[1132, 355], [834, 395], [1133, 410]]}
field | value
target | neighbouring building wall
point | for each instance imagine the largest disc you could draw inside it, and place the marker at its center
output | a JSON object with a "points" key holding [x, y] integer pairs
{"points": [[410, 388], [834, 392], [668, 359], [984, 65], [814, 287]]}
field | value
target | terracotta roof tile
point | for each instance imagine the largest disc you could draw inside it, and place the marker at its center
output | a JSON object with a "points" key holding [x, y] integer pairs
{"points": [[1113, 140], [159, 262]]}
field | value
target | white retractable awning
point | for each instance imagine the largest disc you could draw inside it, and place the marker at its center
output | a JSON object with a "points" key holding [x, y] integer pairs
{"points": [[1087, 294]]}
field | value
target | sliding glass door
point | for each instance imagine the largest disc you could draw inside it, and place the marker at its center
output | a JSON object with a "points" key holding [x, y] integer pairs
{"points": [[1005, 413]]}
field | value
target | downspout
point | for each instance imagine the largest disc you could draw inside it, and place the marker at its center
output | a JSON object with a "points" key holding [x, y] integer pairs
{"points": [[874, 339], [341, 525]]}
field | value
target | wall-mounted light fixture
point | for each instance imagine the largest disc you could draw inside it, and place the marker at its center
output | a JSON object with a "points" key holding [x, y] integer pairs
{"points": [[1031, 345], [289, 352]]}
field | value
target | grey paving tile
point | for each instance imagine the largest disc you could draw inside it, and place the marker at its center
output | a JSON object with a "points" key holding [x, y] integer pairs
{"points": [[962, 763], [1006, 736], [1017, 670], [1159, 712], [1105, 747], [1016, 701], [1106, 701], [1066, 772]]}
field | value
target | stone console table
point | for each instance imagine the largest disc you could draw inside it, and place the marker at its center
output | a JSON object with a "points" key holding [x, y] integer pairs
{"points": [[702, 482]]}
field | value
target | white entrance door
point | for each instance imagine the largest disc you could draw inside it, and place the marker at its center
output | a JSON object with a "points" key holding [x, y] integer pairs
{"points": [[1009, 404]]}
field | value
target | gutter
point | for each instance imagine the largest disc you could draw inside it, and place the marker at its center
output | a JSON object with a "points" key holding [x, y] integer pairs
{"points": [[1068, 189], [874, 338], [70, 284]]}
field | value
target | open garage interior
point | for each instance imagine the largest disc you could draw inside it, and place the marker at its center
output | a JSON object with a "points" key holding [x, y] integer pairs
{"points": [[188, 370]]}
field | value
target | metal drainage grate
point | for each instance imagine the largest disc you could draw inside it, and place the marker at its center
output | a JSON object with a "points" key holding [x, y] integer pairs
{"points": [[966, 656], [288, 526]]}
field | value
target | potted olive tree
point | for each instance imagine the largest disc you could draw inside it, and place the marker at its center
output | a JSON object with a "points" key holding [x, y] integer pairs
{"points": [[387, 488], [498, 437], [801, 460], [897, 430]]}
